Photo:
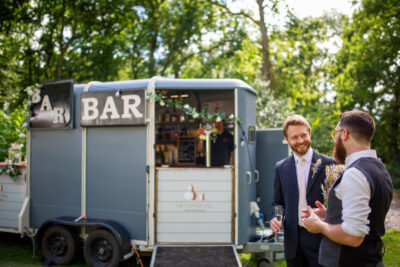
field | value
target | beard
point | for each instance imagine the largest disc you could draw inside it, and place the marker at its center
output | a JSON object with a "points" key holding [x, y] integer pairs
{"points": [[302, 148], [339, 152]]}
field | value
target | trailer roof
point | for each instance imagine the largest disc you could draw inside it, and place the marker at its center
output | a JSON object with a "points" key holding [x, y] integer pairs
{"points": [[170, 84]]}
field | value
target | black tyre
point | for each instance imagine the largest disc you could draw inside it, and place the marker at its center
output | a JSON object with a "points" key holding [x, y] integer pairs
{"points": [[101, 249], [59, 245], [264, 263]]}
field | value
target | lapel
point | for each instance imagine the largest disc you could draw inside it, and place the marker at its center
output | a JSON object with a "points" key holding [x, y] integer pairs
{"points": [[292, 173], [312, 178]]}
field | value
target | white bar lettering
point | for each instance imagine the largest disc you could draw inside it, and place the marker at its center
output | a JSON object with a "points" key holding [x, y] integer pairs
{"points": [[46, 105], [131, 107], [36, 96], [110, 107], [90, 111], [59, 118]]}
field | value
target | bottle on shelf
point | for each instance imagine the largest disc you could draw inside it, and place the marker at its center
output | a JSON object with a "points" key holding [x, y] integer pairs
{"points": [[174, 116], [161, 155], [175, 134], [184, 131], [160, 116], [158, 155], [160, 132], [166, 155], [167, 116], [182, 117]]}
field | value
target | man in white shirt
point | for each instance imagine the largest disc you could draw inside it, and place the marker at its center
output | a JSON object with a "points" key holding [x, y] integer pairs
{"points": [[358, 202]]}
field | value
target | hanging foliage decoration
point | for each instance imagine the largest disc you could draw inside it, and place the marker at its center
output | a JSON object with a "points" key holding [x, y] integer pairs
{"points": [[163, 100]]}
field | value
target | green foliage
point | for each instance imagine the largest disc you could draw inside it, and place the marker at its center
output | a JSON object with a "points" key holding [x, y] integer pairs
{"points": [[301, 62], [391, 240], [12, 140], [12, 130], [366, 74], [271, 111], [124, 39]]}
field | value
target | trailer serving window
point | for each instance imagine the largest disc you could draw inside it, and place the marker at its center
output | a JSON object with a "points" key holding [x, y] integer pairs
{"points": [[184, 121]]}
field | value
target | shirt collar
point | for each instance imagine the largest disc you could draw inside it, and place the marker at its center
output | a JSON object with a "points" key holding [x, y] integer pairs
{"points": [[359, 154], [307, 157]]}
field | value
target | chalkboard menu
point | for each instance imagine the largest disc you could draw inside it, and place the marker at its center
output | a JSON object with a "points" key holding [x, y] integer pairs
{"points": [[186, 150]]}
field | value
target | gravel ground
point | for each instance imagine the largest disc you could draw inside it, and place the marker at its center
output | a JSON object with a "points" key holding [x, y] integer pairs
{"points": [[393, 217]]}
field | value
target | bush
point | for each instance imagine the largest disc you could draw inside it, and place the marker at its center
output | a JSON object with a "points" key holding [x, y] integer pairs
{"points": [[12, 131]]}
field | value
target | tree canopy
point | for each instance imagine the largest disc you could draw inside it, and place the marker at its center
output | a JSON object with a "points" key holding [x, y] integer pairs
{"points": [[315, 66]]}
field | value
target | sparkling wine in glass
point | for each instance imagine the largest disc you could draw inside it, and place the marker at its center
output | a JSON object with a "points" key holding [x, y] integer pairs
{"points": [[279, 212]]}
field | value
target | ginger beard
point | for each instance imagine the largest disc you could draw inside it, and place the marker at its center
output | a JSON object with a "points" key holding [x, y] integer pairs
{"points": [[302, 148], [339, 152]]}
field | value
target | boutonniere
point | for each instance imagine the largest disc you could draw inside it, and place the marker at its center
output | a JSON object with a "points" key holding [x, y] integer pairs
{"points": [[315, 167]]}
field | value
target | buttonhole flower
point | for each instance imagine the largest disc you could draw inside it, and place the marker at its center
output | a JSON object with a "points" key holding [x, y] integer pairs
{"points": [[315, 167]]}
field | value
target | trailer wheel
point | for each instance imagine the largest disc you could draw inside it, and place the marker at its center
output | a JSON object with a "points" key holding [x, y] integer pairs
{"points": [[59, 245], [263, 262], [102, 249]]}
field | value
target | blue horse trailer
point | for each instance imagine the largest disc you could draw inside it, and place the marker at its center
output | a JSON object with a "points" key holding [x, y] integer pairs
{"points": [[116, 167]]}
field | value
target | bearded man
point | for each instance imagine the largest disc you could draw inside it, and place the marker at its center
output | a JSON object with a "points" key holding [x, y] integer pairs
{"points": [[298, 181], [358, 201]]}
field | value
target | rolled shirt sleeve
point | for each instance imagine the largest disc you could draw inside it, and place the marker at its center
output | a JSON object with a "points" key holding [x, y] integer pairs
{"points": [[355, 193]]}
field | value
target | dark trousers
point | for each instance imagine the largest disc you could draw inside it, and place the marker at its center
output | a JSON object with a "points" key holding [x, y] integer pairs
{"points": [[307, 250]]}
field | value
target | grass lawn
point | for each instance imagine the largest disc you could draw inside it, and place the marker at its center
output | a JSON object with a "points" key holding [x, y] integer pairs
{"points": [[17, 252]]}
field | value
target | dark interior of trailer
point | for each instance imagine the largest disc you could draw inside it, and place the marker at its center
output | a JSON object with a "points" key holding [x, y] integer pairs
{"points": [[181, 128]]}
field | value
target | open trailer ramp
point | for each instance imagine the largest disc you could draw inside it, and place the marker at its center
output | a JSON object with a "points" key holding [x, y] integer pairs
{"points": [[195, 255]]}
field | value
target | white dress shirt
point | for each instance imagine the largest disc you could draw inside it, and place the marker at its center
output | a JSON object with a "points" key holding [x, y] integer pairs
{"points": [[355, 193], [304, 169], [306, 165]]}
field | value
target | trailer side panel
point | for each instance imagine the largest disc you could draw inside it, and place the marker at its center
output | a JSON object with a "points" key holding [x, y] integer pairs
{"points": [[55, 171], [116, 176]]}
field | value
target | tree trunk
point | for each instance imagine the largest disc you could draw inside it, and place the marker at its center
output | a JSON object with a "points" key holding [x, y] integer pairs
{"points": [[64, 47], [266, 64]]}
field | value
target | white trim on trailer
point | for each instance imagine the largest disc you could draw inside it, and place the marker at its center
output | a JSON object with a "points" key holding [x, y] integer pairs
{"points": [[24, 215], [150, 120], [83, 173], [83, 158], [236, 111]]}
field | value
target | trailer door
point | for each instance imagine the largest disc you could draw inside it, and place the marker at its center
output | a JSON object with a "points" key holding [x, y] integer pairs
{"points": [[116, 157]]}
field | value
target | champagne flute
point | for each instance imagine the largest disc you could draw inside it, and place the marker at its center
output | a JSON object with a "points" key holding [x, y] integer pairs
{"points": [[279, 212], [279, 217]]}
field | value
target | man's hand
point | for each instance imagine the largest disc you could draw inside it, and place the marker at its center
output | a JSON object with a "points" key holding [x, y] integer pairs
{"points": [[320, 211], [275, 225], [313, 222]]}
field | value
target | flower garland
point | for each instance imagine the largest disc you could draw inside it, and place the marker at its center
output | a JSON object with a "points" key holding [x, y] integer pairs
{"points": [[163, 100]]}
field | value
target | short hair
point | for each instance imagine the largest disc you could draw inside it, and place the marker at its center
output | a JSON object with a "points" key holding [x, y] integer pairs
{"points": [[295, 120], [359, 123]]}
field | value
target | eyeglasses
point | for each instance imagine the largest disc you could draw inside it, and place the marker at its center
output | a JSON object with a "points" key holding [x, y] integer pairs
{"points": [[333, 133]]}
